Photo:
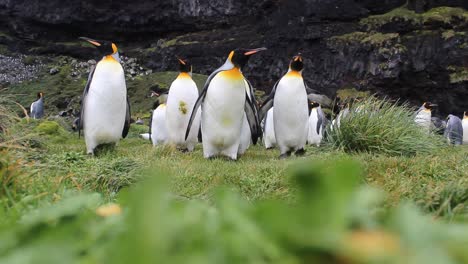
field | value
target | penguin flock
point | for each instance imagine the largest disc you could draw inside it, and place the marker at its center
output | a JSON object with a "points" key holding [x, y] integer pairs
{"points": [[225, 112]]}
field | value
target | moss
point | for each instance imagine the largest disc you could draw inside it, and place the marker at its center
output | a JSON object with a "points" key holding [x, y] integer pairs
{"points": [[448, 15], [458, 74], [372, 39], [350, 37], [400, 14], [448, 34], [49, 128], [176, 42], [379, 39], [347, 94]]}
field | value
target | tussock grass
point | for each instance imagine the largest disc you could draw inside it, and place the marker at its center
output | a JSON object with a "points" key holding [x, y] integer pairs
{"points": [[382, 126]]}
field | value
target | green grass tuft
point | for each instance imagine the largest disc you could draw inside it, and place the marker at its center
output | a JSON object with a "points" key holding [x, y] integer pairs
{"points": [[380, 126]]}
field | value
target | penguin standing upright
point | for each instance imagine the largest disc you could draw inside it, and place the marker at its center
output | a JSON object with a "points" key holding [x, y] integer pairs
{"points": [[423, 116], [224, 101], [105, 109], [290, 110], [465, 128], [37, 107], [158, 129], [316, 124], [454, 130], [269, 138], [183, 94]]}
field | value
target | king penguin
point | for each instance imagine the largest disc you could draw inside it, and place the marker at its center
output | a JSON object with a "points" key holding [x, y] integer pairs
{"points": [[37, 107], [454, 130], [465, 128], [158, 126], [223, 101], [183, 94], [105, 109], [269, 138], [423, 116], [291, 110], [316, 124]]}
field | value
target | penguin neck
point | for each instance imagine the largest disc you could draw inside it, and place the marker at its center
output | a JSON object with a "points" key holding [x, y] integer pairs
{"points": [[465, 117], [293, 73], [185, 75]]}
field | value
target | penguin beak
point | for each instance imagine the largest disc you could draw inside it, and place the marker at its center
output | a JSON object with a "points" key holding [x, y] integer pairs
{"points": [[253, 51], [181, 61], [92, 41], [298, 58]]}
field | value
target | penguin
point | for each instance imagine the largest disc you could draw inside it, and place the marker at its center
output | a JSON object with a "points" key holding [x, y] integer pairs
{"points": [[105, 108], [183, 94], [423, 116], [224, 100], [158, 133], [158, 129], [316, 124], [37, 107], [269, 138], [145, 136], [343, 113], [291, 110], [454, 130], [465, 128]]}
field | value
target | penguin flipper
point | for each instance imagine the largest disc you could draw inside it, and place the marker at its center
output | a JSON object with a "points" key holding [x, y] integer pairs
{"points": [[252, 119], [320, 120], [128, 116], [268, 103], [151, 125], [254, 107], [201, 98], [83, 98]]}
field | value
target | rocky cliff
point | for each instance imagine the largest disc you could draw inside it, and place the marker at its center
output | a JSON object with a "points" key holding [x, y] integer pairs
{"points": [[416, 49]]}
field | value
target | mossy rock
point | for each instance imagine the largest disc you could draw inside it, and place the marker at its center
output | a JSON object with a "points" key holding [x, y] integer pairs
{"points": [[351, 93]]}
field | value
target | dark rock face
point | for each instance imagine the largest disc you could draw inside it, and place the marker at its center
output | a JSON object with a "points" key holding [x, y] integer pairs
{"points": [[418, 56]]}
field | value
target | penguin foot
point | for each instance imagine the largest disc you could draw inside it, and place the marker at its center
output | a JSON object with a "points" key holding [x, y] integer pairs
{"points": [[285, 155], [300, 152]]}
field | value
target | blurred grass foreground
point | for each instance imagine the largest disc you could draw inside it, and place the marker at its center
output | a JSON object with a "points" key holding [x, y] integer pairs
{"points": [[330, 218]]}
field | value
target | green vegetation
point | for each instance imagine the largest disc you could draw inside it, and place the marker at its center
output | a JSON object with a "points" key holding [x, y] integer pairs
{"points": [[458, 74], [366, 38], [140, 204], [380, 126], [447, 16], [348, 94], [61, 87]]}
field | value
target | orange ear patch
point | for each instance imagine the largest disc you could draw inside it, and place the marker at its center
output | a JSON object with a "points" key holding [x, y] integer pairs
{"points": [[114, 48]]}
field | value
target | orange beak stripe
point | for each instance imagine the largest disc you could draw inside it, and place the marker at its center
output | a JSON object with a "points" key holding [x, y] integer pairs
{"points": [[181, 61]]}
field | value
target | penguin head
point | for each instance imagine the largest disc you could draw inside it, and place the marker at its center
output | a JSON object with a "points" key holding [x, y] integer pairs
{"points": [[40, 95], [240, 57], [428, 105], [297, 63], [465, 115], [105, 47], [314, 104], [184, 65]]}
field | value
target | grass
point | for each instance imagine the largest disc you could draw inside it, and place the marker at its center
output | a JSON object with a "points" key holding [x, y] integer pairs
{"points": [[61, 89], [382, 126], [179, 207]]}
